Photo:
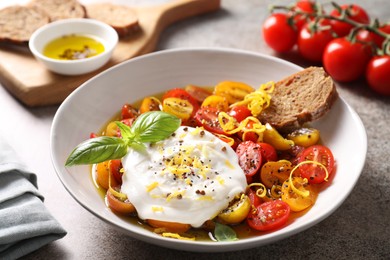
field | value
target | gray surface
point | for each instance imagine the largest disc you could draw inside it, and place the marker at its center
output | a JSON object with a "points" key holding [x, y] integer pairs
{"points": [[359, 229]]}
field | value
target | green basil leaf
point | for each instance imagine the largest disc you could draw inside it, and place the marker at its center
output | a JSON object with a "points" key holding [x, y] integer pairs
{"points": [[96, 150], [224, 233], [125, 130], [154, 126]]}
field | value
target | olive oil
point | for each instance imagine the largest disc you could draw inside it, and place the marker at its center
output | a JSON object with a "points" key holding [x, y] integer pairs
{"points": [[73, 47]]}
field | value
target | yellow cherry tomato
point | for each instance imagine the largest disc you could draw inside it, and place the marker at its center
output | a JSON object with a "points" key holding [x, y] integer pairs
{"points": [[272, 136], [297, 202], [237, 211], [102, 174], [218, 102], [275, 173], [233, 91], [305, 136], [178, 107], [150, 104], [111, 129]]}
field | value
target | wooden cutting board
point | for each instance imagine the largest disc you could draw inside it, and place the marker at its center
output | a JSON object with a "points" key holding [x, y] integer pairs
{"points": [[31, 83]]}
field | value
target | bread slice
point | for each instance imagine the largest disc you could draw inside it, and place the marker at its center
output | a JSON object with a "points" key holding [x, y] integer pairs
{"points": [[300, 98], [60, 9], [122, 18], [17, 23]]}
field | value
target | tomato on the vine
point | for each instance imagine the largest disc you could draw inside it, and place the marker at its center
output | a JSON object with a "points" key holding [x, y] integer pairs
{"points": [[356, 13], [346, 61], [307, 6], [378, 40], [378, 74], [269, 215], [313, 40], [278, 33]]}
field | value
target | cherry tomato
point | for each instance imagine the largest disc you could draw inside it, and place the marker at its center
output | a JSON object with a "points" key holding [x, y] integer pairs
{"points": [[115, 169], [240, 112], [198, 93], [365, 36], [128, 111], [291, 154], [254, 199], [278, 33], [275, 173], [182, 94], [306, 6], [313, 172], [208, 118], [357, 14], [269, 215], [378, 74], [296, 201], [312, 42], [121, 207], [268, 152], [346, 61], [93, 135], [169, 226], [249, 157], [378, 40], [150, 104], [249, 134]]}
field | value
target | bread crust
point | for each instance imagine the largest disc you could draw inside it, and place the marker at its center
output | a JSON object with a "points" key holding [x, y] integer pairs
{"points": [[60, 9], [17, 23], [300, 98], [122, 18]]}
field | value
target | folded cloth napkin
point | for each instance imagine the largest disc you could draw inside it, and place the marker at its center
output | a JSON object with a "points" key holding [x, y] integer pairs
{"points": [[25, 223]]}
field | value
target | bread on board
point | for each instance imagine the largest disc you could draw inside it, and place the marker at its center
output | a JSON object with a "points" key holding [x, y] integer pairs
{"points": [[122, 18], [17, 23], [60, 9], [300, 98]]}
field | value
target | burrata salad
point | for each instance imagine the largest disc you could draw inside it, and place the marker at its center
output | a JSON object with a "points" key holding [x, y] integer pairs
{"points": [[196, 163]]}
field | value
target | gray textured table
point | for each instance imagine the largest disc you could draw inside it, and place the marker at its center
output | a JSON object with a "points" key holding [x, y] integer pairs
{"points": [[359, 229]]}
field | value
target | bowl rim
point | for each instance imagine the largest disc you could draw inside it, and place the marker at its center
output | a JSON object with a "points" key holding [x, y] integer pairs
{"points": [[210, 246], [109, 46]]}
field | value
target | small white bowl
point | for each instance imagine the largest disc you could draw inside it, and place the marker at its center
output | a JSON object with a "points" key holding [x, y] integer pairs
{"points": [[103, 32]]}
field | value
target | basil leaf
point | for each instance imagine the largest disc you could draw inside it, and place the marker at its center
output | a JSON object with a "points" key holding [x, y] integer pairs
{"points": [[97, 150], [125, 130], [154, 126], [224, 233]]}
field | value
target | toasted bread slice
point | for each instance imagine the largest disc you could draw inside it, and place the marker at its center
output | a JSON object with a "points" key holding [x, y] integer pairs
{"points": [[300, 98], [17, 23], [122, 18], [60, 9]]}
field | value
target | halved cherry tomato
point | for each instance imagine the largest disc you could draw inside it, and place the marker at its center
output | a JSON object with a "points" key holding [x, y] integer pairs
{"points": [[296, 201], [208, 118], [237, 211], [249, 157], [218, 102], [254, 199], [240, 112], [268, 152], [232, 91], [293, 154], [304, 136], [312, 172], [356, 13], [121, 207], [115, 167], [182, 94], [275, 173], [102, 174], [181, 108], [128, 111], [248, 133], [198, 93], [150, 104], [269, 215], [169, 226]]}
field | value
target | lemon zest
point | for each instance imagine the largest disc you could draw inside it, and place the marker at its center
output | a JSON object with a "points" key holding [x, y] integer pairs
{"points": [[274, 191], [258, 100], [263, 189], [230, 125], [177, 236], [151, 186]]}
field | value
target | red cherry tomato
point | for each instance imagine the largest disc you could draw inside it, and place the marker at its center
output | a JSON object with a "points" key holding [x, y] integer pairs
{"points": [[312, 43], [346, 61], [208, 118], [182, 94], [128, 111], [198, 93], [240, 112], [269, 215], [378, 40], [278, 33], [268, 152], [378, 74], [306, 6], [312, 172], [357, 14], [249, 157], [255, 200], [115, 167]]}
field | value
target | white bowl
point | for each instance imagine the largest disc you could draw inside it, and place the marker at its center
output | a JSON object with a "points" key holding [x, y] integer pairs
{"points": [[89, 107], [103, 32]]}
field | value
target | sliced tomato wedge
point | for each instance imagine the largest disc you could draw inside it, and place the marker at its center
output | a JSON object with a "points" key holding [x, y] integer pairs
{"points": [[312, 172], [249, 157], [208, 118], [269, 215]]}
